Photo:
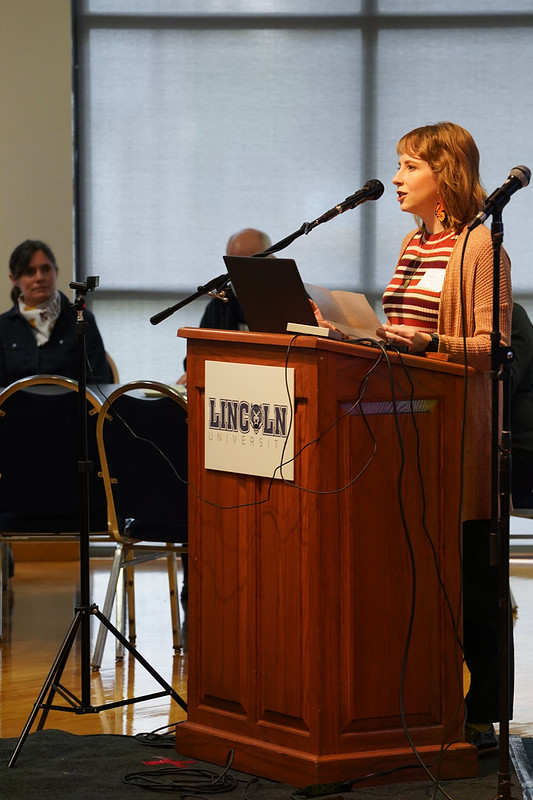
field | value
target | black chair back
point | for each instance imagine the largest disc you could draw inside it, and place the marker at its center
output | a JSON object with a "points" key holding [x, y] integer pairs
{"points": [[39, 455], [143, 446]]}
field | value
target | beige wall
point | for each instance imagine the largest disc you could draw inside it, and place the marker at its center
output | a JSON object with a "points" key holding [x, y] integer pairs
{"points": [[36, 191]]}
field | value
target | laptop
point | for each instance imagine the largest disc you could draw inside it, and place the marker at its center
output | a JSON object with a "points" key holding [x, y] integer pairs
{"points": [[274, 299], [270, 292]]}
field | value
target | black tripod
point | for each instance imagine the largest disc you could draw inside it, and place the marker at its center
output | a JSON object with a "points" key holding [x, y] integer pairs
{"points": [[84, 611]]}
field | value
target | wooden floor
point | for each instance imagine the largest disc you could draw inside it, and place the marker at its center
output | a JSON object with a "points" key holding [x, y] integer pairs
{"points": [[42, 598]]}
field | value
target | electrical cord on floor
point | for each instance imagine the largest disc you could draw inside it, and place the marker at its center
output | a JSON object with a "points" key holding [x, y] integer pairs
{"points": [[325, 789], [157, 739], [185, 781], [195, 782]]}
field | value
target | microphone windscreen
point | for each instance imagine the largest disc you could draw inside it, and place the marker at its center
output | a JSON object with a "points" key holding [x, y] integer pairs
{"points": [[522, 173], [374, 186]]}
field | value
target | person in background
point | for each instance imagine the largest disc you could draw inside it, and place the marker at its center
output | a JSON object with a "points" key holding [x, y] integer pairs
{"points": [[521, 409], [438, 181], [227, 314], [38, 334]]}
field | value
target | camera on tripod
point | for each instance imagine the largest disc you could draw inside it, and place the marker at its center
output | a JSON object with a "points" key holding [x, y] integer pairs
{"points": [[90, 284]]}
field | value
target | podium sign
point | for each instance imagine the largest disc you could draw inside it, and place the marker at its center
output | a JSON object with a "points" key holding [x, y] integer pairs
{"points": [[249, 419]]}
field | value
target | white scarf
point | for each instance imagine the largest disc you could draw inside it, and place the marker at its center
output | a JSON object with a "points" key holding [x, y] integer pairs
{"points": [[42, 318]]}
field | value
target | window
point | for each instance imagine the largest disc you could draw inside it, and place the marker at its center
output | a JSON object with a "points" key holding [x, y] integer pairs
{"points": [[195, 119]]}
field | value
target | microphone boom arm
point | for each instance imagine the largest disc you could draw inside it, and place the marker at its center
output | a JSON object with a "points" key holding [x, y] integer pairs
{"points": [[372, 190], [215, 284], [283, 243]]}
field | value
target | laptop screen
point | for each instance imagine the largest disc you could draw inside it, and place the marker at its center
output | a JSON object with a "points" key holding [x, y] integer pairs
{"points": [[270, 292]]}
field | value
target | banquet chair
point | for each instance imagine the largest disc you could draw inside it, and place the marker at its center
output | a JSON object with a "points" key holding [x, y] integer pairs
{"points": [[113, 367], [521, 544], [142, 441], [39, 465]]}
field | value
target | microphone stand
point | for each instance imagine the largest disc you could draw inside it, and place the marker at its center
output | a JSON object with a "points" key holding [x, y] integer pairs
{"points": [[216, 285], [500, 506], [84, 611]]}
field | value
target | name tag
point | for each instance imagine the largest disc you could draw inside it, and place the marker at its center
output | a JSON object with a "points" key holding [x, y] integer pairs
{"points": [[432, 281]]}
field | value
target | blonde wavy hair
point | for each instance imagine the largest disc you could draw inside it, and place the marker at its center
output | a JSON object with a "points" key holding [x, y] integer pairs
{"points": [[454, 158]]}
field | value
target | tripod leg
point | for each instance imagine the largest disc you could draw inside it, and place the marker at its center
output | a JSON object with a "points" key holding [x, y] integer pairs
{"points": [[55, 673], [134, 652], [114, 577], [174, 600], [129, 584]]}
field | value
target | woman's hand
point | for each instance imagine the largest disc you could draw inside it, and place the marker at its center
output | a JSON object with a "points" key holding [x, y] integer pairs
{"points": [[404, 336], [318, 316], [323, 322]]}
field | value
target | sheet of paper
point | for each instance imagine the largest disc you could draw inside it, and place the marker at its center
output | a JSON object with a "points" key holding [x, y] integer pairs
{"points": [[350, 312]]}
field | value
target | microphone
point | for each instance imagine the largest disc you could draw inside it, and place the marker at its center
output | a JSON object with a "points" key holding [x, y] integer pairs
{"points": [[372, 190], [517, 178]]}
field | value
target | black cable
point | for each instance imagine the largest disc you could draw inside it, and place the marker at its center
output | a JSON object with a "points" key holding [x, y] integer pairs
{"points": [[435, 780], [194, 782], [325, 789], [279, 467], [187, 782], [356, 404], [424, 509], [156, 739], [160, 739], [444, 745], [454, 623], [266, 499]]}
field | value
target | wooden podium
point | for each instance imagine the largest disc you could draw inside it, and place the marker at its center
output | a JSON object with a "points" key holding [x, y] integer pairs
{"points": [[321, 622]]}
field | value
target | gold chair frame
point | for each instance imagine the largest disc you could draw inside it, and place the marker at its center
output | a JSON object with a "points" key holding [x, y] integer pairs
{"points": [[129, 553]]}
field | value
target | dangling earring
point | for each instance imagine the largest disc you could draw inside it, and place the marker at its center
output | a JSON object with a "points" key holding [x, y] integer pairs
{"points": [[440, 213]]}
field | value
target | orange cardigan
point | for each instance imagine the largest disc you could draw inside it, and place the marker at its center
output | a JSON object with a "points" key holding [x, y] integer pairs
{"points": [[477, 293]]}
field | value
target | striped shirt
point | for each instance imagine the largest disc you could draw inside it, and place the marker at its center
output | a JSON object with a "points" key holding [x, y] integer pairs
{"points": [[413, 295]]}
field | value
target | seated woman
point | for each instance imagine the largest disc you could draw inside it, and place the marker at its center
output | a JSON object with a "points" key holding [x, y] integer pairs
{"points": [[38, 334]]}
